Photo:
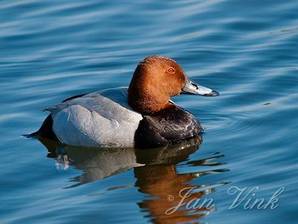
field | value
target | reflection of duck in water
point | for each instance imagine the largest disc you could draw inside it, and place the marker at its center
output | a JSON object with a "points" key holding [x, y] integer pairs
{"points": [[155, 171], [98, 164]]}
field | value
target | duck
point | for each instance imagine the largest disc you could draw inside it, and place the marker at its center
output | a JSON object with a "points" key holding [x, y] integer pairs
{"points": [[140, 116]]}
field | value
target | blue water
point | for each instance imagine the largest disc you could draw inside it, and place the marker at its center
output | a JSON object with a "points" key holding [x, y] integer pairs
{"points": [[247, 50]]}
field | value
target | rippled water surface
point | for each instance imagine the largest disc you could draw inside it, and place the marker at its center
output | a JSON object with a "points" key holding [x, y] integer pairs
{"points": [[247, 50]]}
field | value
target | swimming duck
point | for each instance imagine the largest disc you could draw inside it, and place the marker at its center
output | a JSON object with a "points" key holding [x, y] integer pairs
{"points": [[141, 115]]}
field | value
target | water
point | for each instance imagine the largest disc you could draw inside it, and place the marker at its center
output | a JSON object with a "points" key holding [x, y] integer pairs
{"points": [[247, 50]]}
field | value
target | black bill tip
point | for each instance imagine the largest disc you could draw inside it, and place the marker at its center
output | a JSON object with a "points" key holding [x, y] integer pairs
{"points": [[212, 93]]}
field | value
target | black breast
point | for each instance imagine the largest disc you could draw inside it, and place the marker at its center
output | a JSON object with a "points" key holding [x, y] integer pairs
{"points": [[168, 126]]}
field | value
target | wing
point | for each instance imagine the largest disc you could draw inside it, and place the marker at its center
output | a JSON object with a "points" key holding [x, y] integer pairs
{"points": [[94, 120]]}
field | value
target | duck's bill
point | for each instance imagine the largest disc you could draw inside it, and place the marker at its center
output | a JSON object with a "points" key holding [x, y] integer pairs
{"points": [[195, 89]]}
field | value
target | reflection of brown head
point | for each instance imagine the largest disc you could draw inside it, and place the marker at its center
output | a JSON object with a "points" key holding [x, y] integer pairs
{"points": [[165, 185]]}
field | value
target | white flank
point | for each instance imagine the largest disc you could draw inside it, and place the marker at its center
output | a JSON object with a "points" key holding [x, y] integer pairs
{"points": [[96, 120]]}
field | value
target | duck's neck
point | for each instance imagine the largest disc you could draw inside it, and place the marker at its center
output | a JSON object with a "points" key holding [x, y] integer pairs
{"points": [[147, 101]]}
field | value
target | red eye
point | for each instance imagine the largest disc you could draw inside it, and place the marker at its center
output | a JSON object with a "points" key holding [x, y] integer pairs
{"points": [[171, 70]]}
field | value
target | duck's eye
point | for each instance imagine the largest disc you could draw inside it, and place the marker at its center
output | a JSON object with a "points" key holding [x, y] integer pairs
{"points": [[171, 70]]}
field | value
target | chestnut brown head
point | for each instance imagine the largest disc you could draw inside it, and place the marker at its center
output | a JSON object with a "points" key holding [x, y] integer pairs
{"points": [[155, 80]]}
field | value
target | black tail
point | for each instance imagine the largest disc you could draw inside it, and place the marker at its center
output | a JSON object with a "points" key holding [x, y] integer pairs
{"points": [[31, 135], [45, 131]]}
